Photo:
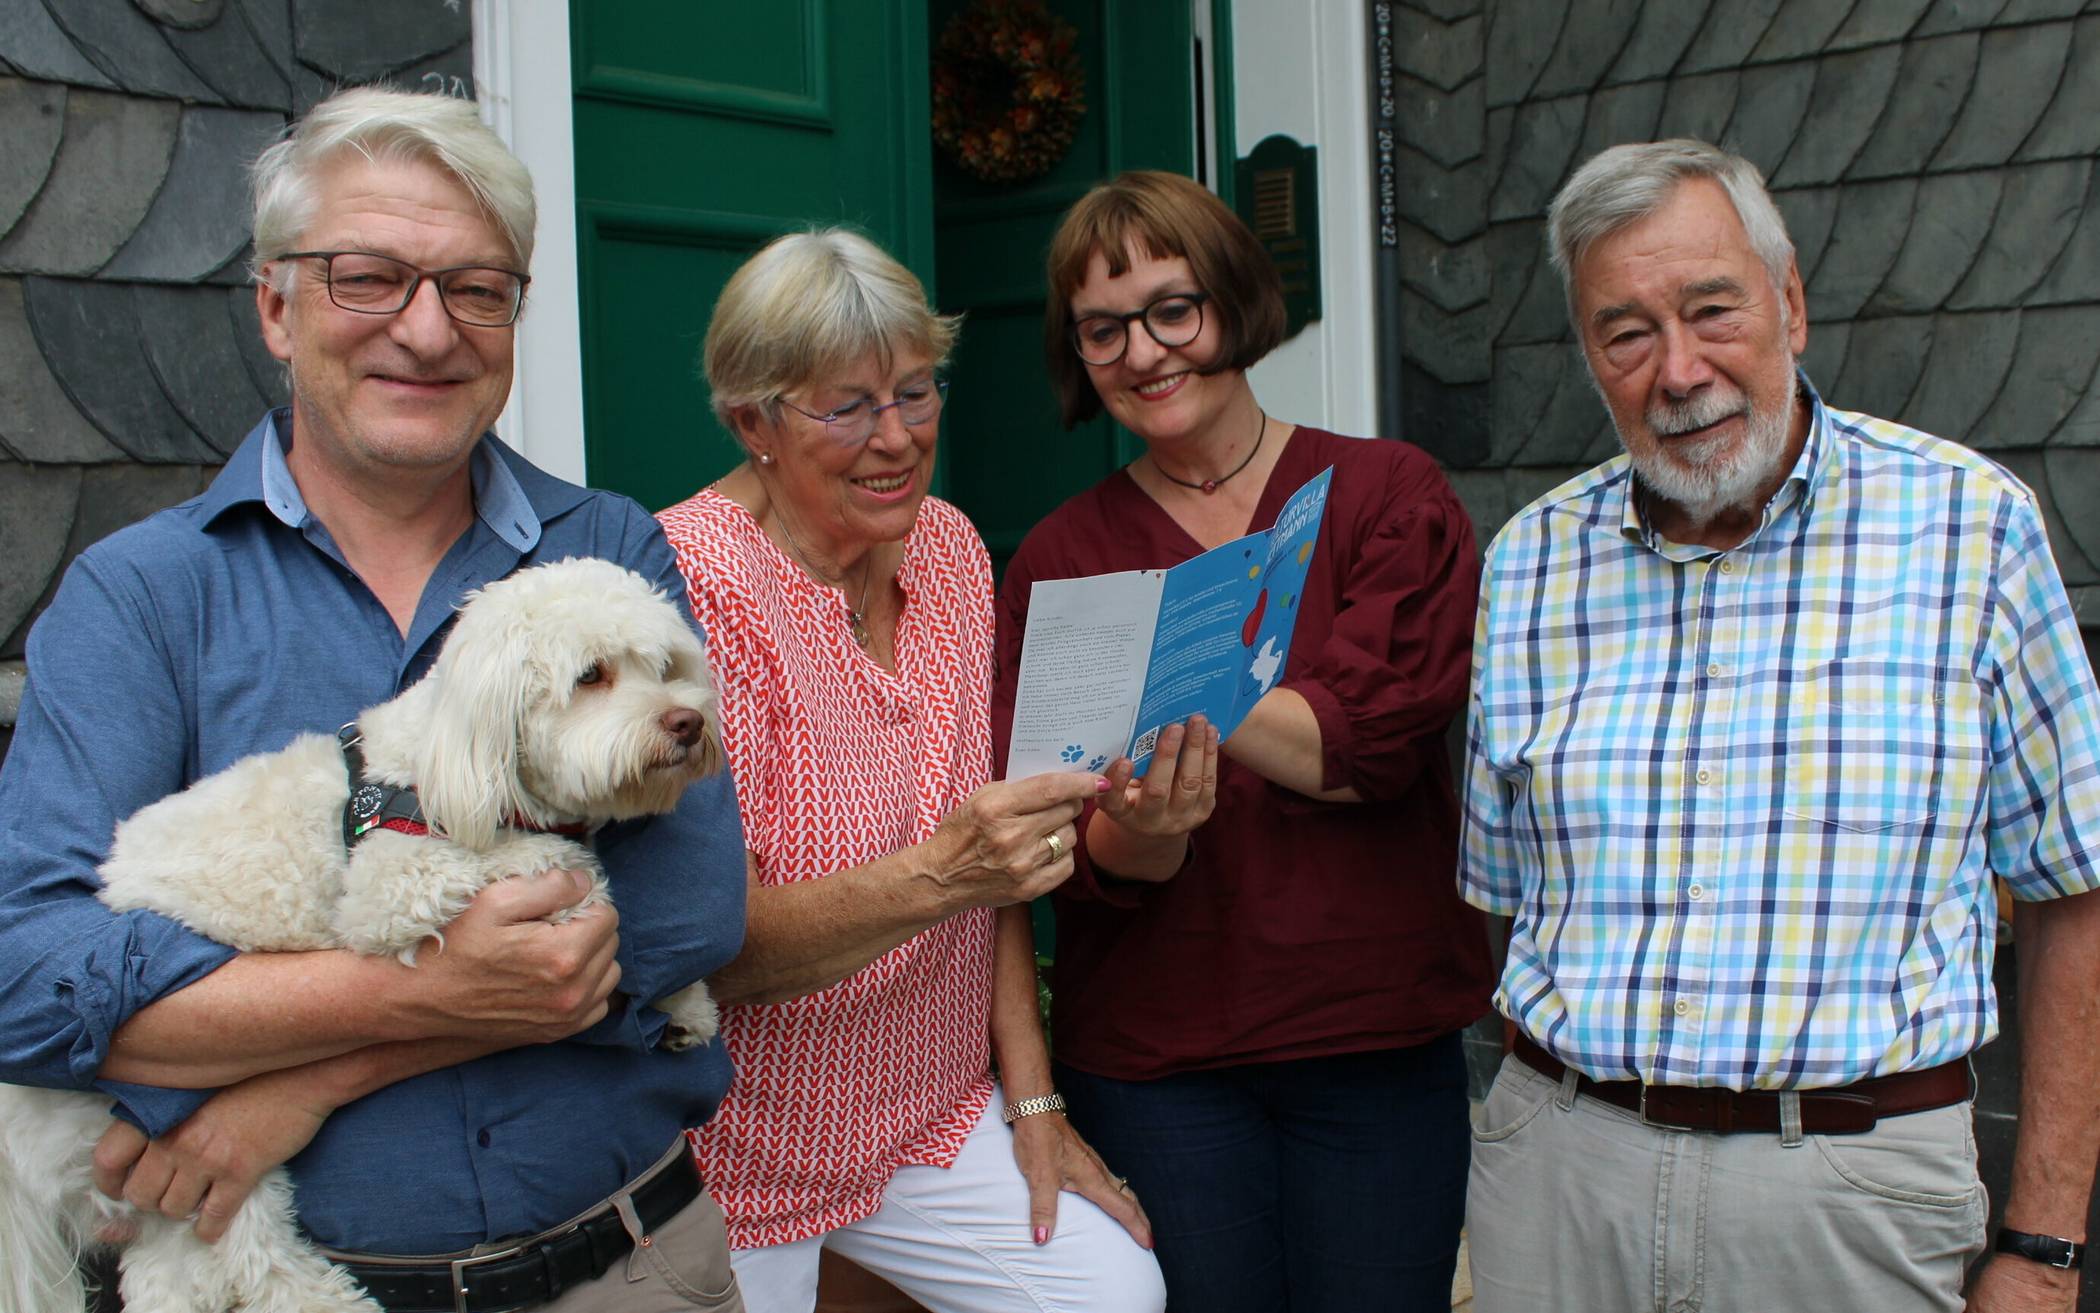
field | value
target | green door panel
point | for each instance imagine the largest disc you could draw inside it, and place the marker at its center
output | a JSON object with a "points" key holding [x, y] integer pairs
{"points": [[703, 129], [1007, 461]]}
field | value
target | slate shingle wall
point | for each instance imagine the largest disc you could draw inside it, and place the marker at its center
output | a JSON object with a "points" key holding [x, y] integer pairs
{"points": [[130, 361], [1935, 160]]}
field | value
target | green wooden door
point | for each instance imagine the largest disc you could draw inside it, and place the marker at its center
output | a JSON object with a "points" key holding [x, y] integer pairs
{"points": [[702, 129], [1007, 461]]}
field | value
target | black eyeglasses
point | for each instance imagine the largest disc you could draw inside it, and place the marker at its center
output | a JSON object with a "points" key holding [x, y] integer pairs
{"points": [[855, 422], [368, 284], [1172, 320]]}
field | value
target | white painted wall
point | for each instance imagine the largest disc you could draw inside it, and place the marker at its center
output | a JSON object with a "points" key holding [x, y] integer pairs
{"points": [[1299, 68], [521, 81]]}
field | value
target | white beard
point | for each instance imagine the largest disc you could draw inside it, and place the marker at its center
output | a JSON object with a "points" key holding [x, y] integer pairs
{"points": [[1701, 478]]}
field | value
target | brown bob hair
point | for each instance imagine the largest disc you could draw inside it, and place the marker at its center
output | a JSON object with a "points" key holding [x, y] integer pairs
{"points": [[1165, 215]]}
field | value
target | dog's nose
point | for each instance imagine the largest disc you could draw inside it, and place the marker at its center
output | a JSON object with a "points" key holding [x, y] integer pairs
{"points": [[683, 724]]}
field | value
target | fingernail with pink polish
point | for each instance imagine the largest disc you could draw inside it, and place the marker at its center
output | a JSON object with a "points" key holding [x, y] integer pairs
{"points": [[1101, 786]]}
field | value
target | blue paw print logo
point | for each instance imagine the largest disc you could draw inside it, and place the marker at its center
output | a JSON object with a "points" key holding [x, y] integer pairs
{"points": [[1097, 763], [1073, 752]]}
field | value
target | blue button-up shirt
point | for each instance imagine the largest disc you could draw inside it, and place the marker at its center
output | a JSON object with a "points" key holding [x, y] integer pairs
{"points": [[226, 626], [1744, 807]]}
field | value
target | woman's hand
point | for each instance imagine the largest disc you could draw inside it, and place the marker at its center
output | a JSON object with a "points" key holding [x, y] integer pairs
{"points": [[1010, 841], [1176, 793], [1053, 1158]]}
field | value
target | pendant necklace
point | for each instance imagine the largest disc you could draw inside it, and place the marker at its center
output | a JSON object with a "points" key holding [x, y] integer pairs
{"points": [[858, 616], [1209, 486]]}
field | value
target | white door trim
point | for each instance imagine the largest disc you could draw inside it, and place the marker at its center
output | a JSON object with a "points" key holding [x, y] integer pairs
{"points": [[521, 82]]}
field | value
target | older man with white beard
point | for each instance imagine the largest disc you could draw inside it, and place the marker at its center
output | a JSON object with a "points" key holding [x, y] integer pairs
{"points": [[1761, 707]]}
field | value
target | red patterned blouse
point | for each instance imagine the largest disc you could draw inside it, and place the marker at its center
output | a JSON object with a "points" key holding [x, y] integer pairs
{"points": [[838, 762]]}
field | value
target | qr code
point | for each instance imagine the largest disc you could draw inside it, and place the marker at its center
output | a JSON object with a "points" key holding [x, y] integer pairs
{"points": [[1144, 742]]}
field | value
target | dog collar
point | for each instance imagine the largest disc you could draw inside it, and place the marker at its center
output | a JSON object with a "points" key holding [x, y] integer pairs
{"points": [[375, 806]]}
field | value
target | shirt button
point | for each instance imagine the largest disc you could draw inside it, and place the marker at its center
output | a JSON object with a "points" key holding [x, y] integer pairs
{"points": [[1713, 670], [1727, 566], [1697, 891], [1683, 1006], [482, 1139], [1704, 776]]}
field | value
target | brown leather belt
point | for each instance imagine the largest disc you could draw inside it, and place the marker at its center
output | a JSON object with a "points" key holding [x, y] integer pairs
{"points": [[1838, 1110]]}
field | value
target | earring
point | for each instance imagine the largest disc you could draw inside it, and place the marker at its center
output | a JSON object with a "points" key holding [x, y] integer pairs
{"points": [[765, 458]]}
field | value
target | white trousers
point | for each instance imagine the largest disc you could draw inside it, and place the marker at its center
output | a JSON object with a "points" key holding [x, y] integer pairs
{"points": [[958, 1241]]}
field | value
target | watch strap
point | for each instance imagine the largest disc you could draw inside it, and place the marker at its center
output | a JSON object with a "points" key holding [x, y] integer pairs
{"points": [[1041, 1103], [2049, 1250]]}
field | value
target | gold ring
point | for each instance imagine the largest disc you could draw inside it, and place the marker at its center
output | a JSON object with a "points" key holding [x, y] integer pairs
{"points": [[1057, 846], [1123, 1184]]}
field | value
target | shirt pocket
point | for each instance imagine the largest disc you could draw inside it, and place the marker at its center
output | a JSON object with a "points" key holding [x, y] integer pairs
{"points": [[1882, 748]]}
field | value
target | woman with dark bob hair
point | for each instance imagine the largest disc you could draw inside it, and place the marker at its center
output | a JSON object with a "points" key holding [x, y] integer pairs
{"points": [[1256, 1012]]}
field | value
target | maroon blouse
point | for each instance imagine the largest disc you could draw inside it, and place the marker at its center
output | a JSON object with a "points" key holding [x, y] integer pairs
{"points": [[1298, 928]]}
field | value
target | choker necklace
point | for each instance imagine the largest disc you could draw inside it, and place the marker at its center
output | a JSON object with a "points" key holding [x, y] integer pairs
{"points": [[1209, 486], [858, 616]]}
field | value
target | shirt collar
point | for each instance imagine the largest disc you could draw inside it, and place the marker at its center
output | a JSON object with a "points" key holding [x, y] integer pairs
{"points": [[258, 472], [1811, 470]]}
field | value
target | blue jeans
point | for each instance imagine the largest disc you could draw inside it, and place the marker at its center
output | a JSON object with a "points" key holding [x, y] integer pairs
{"points": [[1321, 1185]]}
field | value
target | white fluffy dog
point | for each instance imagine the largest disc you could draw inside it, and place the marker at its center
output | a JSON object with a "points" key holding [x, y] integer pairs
{"points": [[568, 695]]}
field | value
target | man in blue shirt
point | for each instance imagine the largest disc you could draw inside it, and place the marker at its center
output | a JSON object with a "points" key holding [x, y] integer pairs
{"points": [[509, 1083]]}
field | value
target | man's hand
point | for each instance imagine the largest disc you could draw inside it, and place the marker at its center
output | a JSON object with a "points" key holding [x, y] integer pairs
{"points": [[207, 1166], [2058, 949], [505, 971], [1053, 1158], [2014, 1285]]}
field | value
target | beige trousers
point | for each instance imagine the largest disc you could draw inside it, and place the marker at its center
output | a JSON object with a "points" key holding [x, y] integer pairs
{"points": [[684, 1265], [1574, 1206]]}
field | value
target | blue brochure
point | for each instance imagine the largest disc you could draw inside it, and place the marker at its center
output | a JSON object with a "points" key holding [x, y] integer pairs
{"points": [[1112, 660]]}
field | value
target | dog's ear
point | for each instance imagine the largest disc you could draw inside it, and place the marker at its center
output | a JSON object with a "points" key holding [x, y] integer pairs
{"points": [[467, 771]]}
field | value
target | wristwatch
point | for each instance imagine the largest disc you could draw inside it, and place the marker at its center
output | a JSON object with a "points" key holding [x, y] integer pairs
{"points": [[2050, 1250], [1052, 1102]]}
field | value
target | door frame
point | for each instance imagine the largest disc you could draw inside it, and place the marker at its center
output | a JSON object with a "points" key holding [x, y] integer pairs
{"points": [[525, 44]]}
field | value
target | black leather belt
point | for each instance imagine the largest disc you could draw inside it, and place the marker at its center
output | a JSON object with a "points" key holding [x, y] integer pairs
{"points": [[1839, 1110], [536, 1269]]}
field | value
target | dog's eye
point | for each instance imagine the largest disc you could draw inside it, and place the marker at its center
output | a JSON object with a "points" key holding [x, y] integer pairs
{"points": [[595, 675]]}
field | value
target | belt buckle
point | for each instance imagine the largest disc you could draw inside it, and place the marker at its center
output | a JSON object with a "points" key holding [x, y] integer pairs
{"points": [[1646, 1120], [459, 1272]]}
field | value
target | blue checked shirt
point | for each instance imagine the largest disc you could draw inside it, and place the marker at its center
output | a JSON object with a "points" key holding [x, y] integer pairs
{"points": [[1744, 807]]}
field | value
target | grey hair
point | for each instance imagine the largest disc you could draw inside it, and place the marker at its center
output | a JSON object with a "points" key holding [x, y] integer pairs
{"points": [[388, 126], [1621, 186], [808, 304]]}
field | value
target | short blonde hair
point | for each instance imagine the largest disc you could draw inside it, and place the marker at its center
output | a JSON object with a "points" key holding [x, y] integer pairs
{"points": [[810, 304], [388, 126]]}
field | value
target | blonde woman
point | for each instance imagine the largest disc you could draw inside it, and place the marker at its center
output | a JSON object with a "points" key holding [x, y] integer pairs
{"points": [[888, 957]]}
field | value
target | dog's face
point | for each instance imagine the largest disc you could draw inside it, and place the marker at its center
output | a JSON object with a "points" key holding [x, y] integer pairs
{"points": [[618, 729], [566, 691]]}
